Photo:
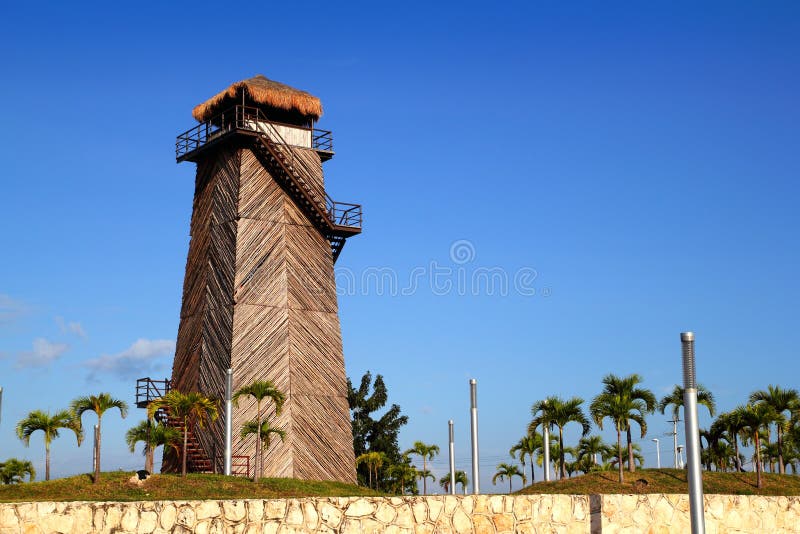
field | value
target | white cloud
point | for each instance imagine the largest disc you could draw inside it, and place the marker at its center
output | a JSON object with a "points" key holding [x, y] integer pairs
{"points": [[143, 357], [71, 327], [43, 353], [10, 309]]}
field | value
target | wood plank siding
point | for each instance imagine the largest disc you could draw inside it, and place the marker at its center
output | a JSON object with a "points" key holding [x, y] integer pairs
{"points": [[260, 296]]}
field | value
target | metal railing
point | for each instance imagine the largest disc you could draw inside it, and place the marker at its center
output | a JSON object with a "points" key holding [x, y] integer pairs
{"points": [[240, 465], [252, 119], [344, 214], [147, 390], [241, 118]]}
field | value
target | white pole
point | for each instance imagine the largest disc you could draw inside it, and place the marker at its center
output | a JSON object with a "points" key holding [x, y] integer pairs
{"points": [[473, 395], [452, 458], [546, 466], [228, 422], [675, 440], [658, 453]]}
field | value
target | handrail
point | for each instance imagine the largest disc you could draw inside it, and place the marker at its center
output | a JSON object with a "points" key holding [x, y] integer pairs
{"points": [[196, 137], [336, 214], [148, 389]]}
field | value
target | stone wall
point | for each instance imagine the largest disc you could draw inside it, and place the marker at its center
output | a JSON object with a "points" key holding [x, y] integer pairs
{"points": [[484, 514], [659, 513], [390, 515]]}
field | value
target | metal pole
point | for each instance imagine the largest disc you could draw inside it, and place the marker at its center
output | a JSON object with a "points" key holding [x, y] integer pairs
{"points": [[658, 453], [452, 459], [546, 437], [675, 441], [694, 474], [473, 396], [94, 454], [228, 421]]}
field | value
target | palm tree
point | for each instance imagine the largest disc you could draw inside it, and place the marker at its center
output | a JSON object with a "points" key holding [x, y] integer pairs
{"points": [[426, 452], [781, 401], [754, 418], [553, 411], [49, 425], [627, 387], [190, 408], [528, 445], [152, 435], [733, 426], [675, 399], [637, 456], [461, 478], [13, 471], [98, 404], [260, 390], [264, 436], [402, 473], [374, 461], [589, 447], [425, 474], [508, 471], [621, 410]]}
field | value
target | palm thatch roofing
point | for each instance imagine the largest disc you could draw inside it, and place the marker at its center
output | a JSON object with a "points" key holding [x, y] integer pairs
{"points": [[261, 90]]}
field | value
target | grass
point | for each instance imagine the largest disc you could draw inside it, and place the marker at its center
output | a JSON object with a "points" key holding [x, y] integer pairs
{"points": [[114, 486], [669, 481]]}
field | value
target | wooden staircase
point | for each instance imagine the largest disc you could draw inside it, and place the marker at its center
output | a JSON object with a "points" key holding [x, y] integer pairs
{"points": [[335, 223], [197, 461]]}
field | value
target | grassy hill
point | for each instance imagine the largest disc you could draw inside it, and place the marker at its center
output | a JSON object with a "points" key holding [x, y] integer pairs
{"points": [[669, 481], [114, 486]]}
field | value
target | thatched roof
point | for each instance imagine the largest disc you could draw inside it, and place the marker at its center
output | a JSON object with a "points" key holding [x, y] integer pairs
{"points": [[261, 90]]}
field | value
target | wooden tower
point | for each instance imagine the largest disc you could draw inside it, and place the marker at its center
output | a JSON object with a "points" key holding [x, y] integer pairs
{"points": [[259, 293]]}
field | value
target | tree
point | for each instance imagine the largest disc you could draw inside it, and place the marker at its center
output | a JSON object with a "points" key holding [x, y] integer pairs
{"points": [[553, 411], [260, 390], [588, 449], [401, 476], [781, 401], [627, 387], [733, 427], [637, 456], [49, 425], [508, 471], [378, 433], [754, 418], [373, 461], [425, 474], [528, 445], [426, 452], [190, 408], [98, 404], [675, 399], [264, 436], [620, 410], [461, 478], [13, 471], [152, 435]]}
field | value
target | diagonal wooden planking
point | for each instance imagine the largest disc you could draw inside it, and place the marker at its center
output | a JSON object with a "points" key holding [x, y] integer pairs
{"points": [[260, 296]]}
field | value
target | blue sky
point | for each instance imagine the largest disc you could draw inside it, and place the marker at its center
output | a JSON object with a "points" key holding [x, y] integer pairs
{"points": [[641, 158]]}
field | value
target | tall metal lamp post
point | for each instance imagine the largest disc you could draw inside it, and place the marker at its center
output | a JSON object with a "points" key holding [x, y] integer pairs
{"points": [[473, 397], [694, 474], [658, 453]]}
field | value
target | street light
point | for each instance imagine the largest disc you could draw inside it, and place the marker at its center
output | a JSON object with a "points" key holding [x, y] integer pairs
{"points": [[658, 453]]}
